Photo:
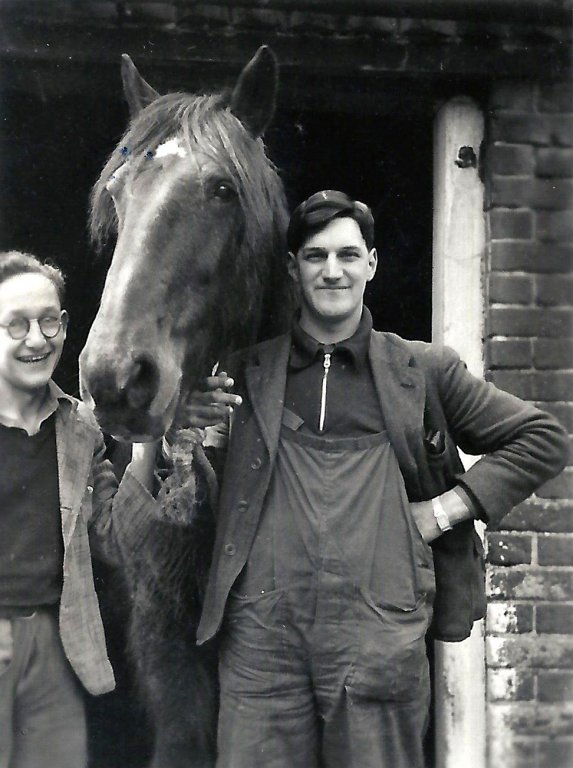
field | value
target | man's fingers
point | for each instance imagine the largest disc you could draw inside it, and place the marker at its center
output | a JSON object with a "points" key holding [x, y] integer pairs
{"points": [[221, 380]]}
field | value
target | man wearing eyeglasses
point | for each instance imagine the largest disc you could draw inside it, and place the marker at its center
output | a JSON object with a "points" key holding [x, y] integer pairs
{"points": [[59, 501]]}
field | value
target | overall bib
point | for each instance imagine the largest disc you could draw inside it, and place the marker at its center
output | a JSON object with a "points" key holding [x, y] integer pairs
{"points": [[323, 657]]}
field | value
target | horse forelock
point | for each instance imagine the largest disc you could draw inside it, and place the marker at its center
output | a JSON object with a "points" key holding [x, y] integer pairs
{"points": [[205, 124]]}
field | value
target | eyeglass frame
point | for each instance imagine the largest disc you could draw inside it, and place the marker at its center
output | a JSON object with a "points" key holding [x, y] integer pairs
{"points": [[62, 323]]}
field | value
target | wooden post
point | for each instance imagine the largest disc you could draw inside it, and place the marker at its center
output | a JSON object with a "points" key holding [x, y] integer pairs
{"points": [[457, 320]]}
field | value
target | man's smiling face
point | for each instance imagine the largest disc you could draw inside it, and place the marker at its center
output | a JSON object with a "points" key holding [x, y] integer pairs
{"points": [[26, 365], [332, 268]]}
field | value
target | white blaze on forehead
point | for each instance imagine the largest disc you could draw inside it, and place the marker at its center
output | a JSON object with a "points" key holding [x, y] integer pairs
{"points": [[171, 147]]}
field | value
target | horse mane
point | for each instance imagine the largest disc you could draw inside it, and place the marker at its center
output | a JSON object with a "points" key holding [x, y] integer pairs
{"points": [[255, 291]]}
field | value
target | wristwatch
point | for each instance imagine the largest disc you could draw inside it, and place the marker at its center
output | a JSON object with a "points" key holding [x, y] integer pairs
{"points": [[440, 515]]}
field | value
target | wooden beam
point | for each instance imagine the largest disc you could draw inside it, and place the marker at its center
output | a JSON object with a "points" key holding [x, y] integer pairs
{"points": [[558, 12], [363, 57]]}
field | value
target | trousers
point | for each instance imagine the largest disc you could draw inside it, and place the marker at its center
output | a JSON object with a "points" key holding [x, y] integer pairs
{"points": [[323, 660], [42, 719]]}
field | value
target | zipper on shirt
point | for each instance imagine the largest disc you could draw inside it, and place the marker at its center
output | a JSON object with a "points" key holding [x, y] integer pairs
{"points": [[326, 366]]}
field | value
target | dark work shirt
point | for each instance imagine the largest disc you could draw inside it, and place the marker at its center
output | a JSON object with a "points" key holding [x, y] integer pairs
{"points": [[31, 544], [352, 404]]}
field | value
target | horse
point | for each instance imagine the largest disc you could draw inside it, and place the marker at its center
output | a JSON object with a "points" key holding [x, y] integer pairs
{"points": [[198, 270]]}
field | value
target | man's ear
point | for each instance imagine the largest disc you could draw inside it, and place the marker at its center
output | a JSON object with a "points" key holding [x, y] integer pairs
{"points": [[372, 263], [293, 266]]}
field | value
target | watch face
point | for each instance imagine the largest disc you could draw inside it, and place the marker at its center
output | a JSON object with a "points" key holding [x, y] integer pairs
{"points": [[441, 516]]}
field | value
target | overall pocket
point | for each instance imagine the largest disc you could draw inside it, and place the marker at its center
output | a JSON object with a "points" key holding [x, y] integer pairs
{"points": [[391, 663]]}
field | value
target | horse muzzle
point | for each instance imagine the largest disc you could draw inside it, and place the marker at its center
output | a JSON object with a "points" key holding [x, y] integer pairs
{"points": [[132, 399]]}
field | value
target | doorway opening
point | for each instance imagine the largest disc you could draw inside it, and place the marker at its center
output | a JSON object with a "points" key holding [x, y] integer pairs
{"points": [[385, 161]]}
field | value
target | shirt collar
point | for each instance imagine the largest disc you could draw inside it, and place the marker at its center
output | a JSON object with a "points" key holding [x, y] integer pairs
{"points": [[57, 395], [54, 397], [305, 348]]}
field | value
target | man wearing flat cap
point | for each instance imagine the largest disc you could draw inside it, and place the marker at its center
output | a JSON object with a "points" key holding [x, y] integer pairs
{"points": [[345, 527]]}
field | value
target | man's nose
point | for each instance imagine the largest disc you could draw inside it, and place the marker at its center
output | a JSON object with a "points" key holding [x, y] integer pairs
{"points": [[332, 269], [35, 337]]}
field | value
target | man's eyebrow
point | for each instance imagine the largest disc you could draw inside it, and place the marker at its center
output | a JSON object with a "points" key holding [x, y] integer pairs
{"points": [[314, 249]]}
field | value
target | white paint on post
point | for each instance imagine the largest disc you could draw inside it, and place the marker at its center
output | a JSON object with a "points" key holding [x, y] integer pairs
{"points": [[457, 320]]}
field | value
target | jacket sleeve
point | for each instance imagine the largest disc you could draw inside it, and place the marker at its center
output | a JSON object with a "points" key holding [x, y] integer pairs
{"points": [[522, 446], [121, 513]]}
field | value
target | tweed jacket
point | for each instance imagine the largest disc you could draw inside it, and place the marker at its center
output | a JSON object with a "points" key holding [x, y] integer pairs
{"points": [[431, 406], [93, 511]]}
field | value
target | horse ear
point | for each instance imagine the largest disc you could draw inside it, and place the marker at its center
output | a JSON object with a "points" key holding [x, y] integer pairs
{"points": [[254, 96], [138, 92]]}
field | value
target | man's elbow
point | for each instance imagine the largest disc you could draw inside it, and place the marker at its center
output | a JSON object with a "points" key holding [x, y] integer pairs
{"points": [[557, 447]]}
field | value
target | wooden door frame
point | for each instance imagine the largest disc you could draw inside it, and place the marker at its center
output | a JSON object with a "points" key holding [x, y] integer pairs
{"points": [[457, 321]]}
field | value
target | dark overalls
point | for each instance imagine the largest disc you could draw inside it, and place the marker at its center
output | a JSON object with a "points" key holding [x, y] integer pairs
{"points": [[323, 660]]}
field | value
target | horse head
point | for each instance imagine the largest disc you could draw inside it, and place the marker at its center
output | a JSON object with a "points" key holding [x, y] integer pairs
{"points": [[199, 264]]}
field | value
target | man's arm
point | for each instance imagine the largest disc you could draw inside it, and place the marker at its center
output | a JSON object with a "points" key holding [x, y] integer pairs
{"points": [[522, 448]]}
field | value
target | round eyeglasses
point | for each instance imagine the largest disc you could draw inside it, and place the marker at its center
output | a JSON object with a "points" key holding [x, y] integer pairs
{"points": [[19, 327]]}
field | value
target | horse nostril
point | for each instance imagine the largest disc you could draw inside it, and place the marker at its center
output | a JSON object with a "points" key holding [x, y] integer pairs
{"points": [[142, 382]]}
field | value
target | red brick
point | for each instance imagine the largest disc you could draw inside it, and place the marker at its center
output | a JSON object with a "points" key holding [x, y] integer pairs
{"points": [[553, 162], [510, 685], [554, 227], [553, 686], [510, 289], [554, 619], [511, 159], [556, 753], [523, 192], [505, 750], [553, 353], [508, 353], [555, 549], [521, 128], [508, 224], [507, 549], [561, 487], [536, 385], [540, 515], [534, 719], [512, 95], [523, 583], [563, 412], [509, 617], [551, 290], [531, 257], [541, 651], [514, 321], [555, 97], [561, 130], [551, 194]]}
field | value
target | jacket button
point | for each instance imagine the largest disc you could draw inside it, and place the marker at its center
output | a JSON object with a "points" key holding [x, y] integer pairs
{"points": [[257, 463], [230, 549], [242, 506]]}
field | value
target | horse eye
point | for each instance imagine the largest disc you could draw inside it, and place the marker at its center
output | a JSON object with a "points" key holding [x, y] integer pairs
{"points": [[224, 192]]}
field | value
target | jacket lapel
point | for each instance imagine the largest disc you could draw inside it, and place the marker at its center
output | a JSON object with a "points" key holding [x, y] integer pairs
{"points": [[75, 442], [266, 383], [401, 390]]}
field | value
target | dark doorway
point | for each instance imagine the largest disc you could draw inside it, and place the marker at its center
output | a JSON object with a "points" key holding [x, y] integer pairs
{"points": [[385, 161]]}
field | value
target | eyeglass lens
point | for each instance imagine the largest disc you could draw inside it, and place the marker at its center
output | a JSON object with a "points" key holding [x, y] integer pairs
{"points": [[20, 327]]}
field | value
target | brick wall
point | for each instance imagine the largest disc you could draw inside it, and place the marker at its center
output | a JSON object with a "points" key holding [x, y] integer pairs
{"points": [[529, 351]]}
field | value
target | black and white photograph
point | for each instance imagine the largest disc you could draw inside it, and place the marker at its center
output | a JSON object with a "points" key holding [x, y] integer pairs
{"points": [[286, 384]]}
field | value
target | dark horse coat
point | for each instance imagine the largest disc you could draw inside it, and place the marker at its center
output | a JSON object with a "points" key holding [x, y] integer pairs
{"points": [[431, 405]]}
